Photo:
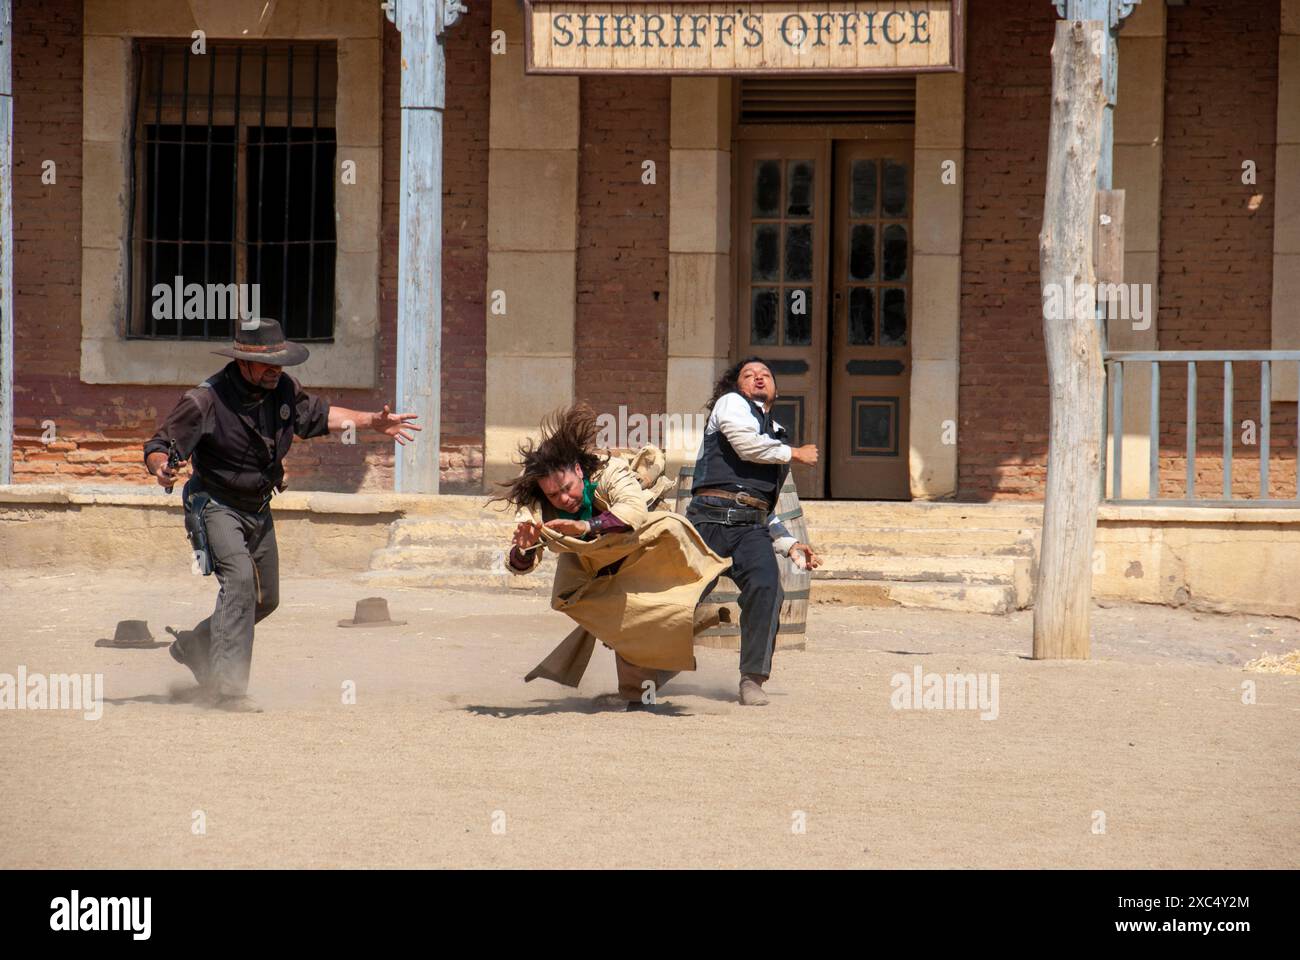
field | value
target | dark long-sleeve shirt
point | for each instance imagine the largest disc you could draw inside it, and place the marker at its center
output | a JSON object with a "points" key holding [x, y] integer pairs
{"points": [[238, 434]]}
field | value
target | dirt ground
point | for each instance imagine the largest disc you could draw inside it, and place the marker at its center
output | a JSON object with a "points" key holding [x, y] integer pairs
{"points": [[448, 759]]}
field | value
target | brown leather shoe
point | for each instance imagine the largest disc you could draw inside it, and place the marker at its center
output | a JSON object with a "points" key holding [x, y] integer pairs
{"points": [[751, 693]]}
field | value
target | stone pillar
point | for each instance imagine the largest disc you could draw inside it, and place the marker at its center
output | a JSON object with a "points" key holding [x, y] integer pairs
{"points": [[532, 246], [1286, 208], [936, 284], [699, 247], [1138, 161]]}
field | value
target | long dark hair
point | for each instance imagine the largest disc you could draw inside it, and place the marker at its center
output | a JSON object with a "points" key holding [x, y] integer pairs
{"points": [[568, 438], [727, 382]]}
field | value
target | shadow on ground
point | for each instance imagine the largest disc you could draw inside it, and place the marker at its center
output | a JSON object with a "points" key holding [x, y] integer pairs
{"points": [[572, 705]]}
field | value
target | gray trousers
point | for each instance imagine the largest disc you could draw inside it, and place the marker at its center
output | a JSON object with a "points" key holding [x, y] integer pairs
{"points": [[247, 565]]}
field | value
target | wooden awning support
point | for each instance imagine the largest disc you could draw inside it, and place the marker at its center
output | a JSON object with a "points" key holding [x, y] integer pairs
{"points": [[1084, 83], [419, 250]]}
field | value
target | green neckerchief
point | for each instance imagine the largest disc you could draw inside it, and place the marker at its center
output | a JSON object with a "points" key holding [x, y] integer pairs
{"points": [[584, 512]]}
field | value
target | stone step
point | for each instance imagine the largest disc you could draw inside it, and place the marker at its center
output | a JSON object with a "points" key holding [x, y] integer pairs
{"points": [[1016, 572], [965, 597], [485, 526], [454, 578], [900, 540], [961, 597], [943, 515], [470, 556], [924, 541]]}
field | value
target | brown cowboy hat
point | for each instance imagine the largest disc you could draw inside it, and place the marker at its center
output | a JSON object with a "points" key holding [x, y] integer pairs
{"points": [[371, 612], [261, 340]]}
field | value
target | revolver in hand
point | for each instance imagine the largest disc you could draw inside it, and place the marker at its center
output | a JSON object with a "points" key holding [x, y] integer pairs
{"points": [[173, 461]]}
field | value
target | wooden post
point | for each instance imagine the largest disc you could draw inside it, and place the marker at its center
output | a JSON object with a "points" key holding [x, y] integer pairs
{"points": [[1073, 340], [419, 247], [6, 244]]}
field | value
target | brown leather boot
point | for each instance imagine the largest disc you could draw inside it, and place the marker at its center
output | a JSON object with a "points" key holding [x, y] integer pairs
{"points": [[751, 691]]}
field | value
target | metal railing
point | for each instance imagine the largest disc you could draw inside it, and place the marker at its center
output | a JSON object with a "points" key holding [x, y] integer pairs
{"points": [[1113, 414]]}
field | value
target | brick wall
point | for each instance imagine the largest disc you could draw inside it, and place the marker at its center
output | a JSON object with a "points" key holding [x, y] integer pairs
{"points": [[100, 427], [1002, 398], [621, 347], [1216, 252], [1216, 244]]}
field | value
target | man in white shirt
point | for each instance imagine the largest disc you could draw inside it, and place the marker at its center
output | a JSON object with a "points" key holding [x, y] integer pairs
{"points": [[739, 470]]}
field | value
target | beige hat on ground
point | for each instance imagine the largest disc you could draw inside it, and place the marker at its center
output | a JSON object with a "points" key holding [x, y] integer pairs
{"points": [[371, 612]]}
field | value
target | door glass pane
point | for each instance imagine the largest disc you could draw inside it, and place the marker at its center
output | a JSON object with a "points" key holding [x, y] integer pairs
{"points": [[798, 317], [894, 253], [895, 193], [767, 255], [800, 198], [798, 252], [893, 318], [762, 315], [862, 316], [862, 252], [767, 188], [875, 425], [862, 189]]}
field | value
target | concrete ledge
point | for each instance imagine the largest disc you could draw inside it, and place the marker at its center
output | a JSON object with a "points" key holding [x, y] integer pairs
{"points": [[140, 529], [1118, 513], [1220, 559], [309, 501]]}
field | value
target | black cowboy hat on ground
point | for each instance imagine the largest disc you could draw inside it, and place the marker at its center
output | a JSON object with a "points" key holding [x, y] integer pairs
{"points": [[262, 341], [131, 634]]}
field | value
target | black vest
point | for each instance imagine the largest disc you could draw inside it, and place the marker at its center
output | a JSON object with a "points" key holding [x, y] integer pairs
{"points": [[241, 459], [718, 464]]}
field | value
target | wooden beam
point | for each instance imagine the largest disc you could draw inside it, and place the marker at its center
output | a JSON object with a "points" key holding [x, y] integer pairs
{"points": [[1073, 340], [419, 247], [6, 244]]}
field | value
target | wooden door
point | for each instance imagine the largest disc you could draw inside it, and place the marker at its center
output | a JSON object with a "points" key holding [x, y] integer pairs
{"points": [[782, 266], [870, 357]]}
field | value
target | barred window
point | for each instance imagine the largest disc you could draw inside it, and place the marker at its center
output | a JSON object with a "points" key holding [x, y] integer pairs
{"points": [[232, 188]]}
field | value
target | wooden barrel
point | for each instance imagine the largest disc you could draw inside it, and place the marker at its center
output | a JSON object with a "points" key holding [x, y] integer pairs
{"points": [[717, 618]]}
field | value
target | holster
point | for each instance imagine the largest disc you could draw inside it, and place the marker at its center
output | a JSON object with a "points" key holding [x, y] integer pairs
{"points": [[196, 528]]}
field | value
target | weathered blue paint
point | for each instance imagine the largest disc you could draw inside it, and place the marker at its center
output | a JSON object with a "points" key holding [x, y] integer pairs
{"points": [[419, 249], [1115, 361]]}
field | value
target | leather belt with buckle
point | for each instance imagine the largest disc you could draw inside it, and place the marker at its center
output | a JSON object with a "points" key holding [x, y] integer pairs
{"points": [[731, 516], [742, 498]]}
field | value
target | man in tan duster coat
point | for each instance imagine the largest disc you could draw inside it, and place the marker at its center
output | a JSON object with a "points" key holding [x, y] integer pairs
{"points": [[629, 576]]}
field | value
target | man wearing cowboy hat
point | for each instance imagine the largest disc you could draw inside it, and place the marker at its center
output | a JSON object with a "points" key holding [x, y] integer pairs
{"points": [[238, 426]]}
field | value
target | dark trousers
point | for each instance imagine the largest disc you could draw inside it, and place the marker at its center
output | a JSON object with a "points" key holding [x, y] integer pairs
{"points": [[756, 572], [247, 565]]}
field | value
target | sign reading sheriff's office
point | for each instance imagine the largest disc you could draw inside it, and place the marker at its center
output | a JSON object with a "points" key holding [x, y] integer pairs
{"points": [[870, 36]]}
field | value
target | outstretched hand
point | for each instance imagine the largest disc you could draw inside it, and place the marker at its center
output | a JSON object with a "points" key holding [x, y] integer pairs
{"points": [[395, 425], [804, 557]]}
